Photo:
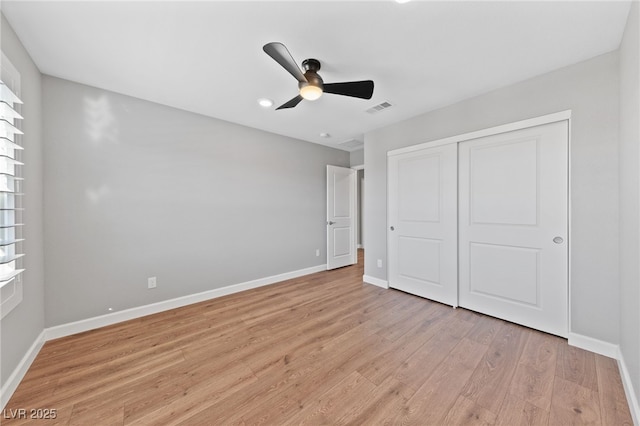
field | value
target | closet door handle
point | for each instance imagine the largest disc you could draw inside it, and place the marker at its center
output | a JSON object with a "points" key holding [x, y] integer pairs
{"points": [[392, 228], [558, 240], [330, 223]]}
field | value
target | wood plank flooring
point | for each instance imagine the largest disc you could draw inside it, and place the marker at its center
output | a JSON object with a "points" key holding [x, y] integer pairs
{"points": [[320, 349]]}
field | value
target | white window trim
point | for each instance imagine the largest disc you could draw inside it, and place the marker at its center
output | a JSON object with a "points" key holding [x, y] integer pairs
{"points": [[11, 293]]}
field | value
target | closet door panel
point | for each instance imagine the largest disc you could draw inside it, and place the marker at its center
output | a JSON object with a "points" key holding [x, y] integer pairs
{"points": [[513, 198], [422, 233]]}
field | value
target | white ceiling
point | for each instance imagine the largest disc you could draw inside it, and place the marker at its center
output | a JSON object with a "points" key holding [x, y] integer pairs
{"points": [[207, 56]]}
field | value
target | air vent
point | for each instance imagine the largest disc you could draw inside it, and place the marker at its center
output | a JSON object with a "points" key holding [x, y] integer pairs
{"points": [[351, 144], [379, 107]]}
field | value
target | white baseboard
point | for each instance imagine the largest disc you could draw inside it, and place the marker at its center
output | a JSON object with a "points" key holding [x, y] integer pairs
{"points": [[612, 351], [594, 345], [103, 320], [140, 311], [16, 377], [632, 399], [375, 281]]}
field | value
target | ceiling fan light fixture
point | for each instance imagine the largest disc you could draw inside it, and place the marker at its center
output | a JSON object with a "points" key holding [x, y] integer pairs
{"points": [[310, 92]]}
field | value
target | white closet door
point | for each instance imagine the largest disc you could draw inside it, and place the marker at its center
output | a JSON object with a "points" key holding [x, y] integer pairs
{"points": [[513, 194], [422, 234]]}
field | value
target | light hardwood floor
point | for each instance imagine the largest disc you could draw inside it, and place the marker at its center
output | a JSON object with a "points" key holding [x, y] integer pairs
{"points": [[321, 349]]}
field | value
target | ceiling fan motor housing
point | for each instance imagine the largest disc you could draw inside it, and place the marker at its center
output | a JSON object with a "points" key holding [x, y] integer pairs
{"points": [[311, 67]]}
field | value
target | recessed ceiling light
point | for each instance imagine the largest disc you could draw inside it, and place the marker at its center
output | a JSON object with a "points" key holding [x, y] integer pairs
{"points": [[325, 135], [265, 103]]}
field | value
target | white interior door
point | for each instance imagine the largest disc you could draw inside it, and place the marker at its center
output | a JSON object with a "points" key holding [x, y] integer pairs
{"points": [[341, 217], [513, 229], [422, 234]]}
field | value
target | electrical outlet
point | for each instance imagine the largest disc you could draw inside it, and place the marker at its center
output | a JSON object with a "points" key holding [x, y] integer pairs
{"points": [[379, 263], [317, 252], [151, 282]]}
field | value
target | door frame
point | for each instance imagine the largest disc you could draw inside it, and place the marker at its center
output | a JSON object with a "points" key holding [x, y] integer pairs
{"points": [[359, 205], [491, 131]]}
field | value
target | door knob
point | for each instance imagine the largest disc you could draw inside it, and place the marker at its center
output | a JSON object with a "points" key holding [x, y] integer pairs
{"points": [[330, 223], [392, 228], [558, 240]]}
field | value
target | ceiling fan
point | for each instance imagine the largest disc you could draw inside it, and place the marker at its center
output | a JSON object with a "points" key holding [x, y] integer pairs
{"points": [[310, 84]]}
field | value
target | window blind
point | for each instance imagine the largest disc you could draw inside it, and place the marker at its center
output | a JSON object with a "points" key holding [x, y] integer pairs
{"points": [[10, 186]]}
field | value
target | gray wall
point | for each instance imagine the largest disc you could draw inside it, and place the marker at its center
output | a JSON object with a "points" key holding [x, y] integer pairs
{"points": [[135, 189], [630, 197], [356, 158], [21, 327], [590, 89]]}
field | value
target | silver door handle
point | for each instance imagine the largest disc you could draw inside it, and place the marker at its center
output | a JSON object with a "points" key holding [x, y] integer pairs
{"points": [[558, 240], [330, 223]]}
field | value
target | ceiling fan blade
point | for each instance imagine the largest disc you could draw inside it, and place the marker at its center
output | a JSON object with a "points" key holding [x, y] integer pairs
{"points": [[357, 89], [281, 55], [290, 104]]}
